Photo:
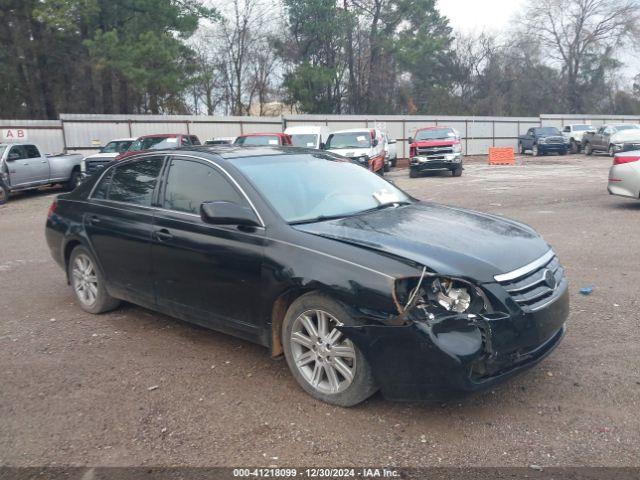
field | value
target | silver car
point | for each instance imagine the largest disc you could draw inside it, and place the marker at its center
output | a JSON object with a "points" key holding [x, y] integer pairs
{"points": [[624, 175]]}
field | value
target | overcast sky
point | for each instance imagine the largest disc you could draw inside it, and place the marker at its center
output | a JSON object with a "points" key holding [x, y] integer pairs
{"points": [[478, 15]]}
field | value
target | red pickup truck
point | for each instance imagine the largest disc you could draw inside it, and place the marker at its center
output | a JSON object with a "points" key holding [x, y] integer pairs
{"points": [[435, 149]]}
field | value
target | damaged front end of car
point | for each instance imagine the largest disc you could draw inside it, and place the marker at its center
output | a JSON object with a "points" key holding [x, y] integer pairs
{"points": [[453, 336]]}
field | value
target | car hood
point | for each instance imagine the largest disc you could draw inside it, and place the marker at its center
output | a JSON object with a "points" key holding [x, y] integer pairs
{"points": [[626, 136], [351, 152], [102, 155], [434, 143], [447, 240]]}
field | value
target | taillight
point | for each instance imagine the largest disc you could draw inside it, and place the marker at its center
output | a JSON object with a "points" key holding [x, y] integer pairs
{"points": [[619, 160], [52, 208]]}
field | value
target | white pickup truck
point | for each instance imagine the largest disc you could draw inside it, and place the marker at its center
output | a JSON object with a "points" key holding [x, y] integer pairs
{"points": [[23, 167]]}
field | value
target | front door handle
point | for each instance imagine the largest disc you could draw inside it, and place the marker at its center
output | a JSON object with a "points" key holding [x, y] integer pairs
{"points": [[163, 235], [94, 220]]}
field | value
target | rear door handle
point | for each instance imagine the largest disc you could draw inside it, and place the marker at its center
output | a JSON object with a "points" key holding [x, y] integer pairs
{"points": [[93, 220], [163, 235]]}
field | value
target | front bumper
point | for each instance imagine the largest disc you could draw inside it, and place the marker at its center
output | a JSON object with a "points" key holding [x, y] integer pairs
{"points": [[453, 356], [449, 162], [552, 147]]}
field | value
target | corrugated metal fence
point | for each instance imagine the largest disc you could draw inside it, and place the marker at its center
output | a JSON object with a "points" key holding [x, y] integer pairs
{"points": [[85, 133]]}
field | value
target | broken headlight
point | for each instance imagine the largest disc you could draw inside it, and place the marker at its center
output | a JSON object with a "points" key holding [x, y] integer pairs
{"points": [[436, 296]]}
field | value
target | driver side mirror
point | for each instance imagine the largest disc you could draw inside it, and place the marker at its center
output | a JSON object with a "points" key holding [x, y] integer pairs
{"points": [[321, 145], [375, 142], [410, 139], [227, 213]]}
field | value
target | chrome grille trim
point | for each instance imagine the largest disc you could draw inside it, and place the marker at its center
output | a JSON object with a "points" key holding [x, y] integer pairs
{"points": [[522, 271]]}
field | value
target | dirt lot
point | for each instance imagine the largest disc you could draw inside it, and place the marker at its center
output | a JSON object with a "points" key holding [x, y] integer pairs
{"points": [[74, 388]]}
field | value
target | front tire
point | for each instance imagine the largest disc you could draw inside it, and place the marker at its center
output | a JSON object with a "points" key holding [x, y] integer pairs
{"points": [[521, 149], [587, 149], [4, 193], [612, 151], [574, 147], [88, 283], [413, 174], [326, 364], [386, 167], [457, 172], [535, 150]]}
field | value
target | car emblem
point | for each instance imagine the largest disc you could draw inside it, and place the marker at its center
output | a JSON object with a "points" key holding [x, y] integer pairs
{"points": [[549, 279]]}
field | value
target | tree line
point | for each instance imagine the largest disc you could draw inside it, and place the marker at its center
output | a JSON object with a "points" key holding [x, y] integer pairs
{"points": [[260, 57]]}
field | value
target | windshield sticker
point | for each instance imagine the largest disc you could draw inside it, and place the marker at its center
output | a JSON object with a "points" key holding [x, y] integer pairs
{"points": [[385, 196], [361, 138], [172, 140], [451, 134], [311, 144], [273, 142]]}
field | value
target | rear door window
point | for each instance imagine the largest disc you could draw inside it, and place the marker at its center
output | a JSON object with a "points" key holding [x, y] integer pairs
{"points": [[135, 182], [190, 183]]}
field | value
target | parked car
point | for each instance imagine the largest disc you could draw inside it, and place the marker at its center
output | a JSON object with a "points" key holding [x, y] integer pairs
{"points": [[106, 154], [611, 138], [221, 141], [159, 142], [542, 140], [573, 135], [361, 286], [263, 139], [435, 149], [624, 175], [362, 145], [24, 167], [392, 150], [308, 136]]}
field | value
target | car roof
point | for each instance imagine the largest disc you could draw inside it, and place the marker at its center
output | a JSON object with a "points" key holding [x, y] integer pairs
{"points": [[434, 127], [166, 135], [264, 134], [351, 130], [122, 140]]}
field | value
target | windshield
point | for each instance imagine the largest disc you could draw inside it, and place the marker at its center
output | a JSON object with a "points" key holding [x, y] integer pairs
{"points": [[154, 143], [258, 140], [116, 147], [349, 140], [304, 140], [307, 187], [548, 131], [582, 128], [436, 134]]}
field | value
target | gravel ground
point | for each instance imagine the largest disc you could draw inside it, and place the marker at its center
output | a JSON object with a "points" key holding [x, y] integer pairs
{"points": [[133, 387]]}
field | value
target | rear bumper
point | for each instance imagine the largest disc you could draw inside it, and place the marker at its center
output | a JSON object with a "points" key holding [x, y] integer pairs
{"points": [[458, 356], [624, 180]]}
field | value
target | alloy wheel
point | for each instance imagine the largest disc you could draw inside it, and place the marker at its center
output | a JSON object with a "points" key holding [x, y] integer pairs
{"points": [[322, 355], [85, 280]]}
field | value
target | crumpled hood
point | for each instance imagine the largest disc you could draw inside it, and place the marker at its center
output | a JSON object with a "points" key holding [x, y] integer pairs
{"points": [[632, 135], [447, 240]]}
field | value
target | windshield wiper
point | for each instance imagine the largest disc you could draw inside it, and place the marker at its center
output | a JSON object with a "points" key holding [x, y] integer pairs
{"points": [[382, 206], [320, 218]]}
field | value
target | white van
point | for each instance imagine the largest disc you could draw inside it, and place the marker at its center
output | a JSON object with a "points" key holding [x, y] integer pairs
{"points": [[308, 136]]}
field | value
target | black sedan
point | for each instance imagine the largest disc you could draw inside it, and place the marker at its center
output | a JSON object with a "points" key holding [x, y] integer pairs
{"points": [[360, 286]]}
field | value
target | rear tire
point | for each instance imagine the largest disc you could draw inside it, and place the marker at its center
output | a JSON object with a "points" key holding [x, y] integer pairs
{"points": [[74, 181], [4, 193], [386, 167], [521, 149], [88, 283], [394, 162], [611, 151], [574, 147], [326, 365]]}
